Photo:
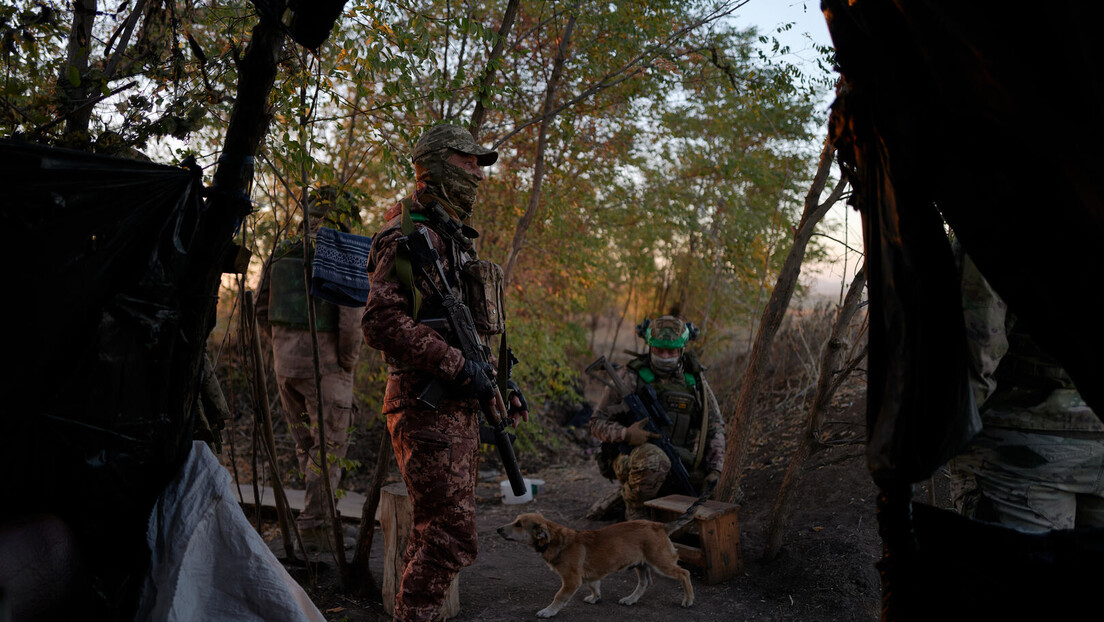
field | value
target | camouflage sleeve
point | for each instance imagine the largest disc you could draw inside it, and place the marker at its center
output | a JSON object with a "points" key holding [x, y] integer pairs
{"points": [[611, 410], [387, 324], [986, 335], [715, 435]]}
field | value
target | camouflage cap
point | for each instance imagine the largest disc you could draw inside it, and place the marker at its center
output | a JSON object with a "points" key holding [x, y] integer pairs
{"points": [[452, 137], [667, 332]]}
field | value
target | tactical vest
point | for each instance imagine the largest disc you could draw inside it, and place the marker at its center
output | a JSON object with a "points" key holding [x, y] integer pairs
{"points": [[480, 283], [287, 294], [680, 397]]}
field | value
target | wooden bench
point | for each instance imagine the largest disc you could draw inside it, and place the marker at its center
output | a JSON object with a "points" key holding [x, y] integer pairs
{"points": [[712, 542], [395, 522]]}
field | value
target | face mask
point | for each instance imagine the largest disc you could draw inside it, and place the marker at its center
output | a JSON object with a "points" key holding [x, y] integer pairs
{"points": [[452, 183], [665, 365], [460, 189]]}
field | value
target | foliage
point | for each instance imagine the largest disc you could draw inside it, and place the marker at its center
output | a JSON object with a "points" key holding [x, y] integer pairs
{"points": [[676, 155]]}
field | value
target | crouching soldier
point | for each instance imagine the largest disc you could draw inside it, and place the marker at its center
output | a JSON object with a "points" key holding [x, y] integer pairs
{"points": [[696, 430]]}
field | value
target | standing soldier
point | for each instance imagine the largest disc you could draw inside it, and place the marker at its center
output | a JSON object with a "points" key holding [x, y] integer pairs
{"points": [[436, 449], [696, 430], [282, 313]]}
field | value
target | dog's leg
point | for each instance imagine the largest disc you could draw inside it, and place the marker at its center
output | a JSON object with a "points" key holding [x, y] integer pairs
{"points": [[567, 589], [595, 588], [682, 575], [643, 580]]}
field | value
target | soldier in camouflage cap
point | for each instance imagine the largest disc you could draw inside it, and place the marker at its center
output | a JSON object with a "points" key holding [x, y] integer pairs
{"points": [[449, 162], [1038, 462], [437, 450], [696, 431]]}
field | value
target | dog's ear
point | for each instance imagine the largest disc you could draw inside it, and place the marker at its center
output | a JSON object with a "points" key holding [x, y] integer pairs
{"points": [[540, 534]]}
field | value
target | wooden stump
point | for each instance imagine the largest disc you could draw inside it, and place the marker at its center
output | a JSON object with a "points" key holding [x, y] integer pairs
{"points": [[395, 521]]}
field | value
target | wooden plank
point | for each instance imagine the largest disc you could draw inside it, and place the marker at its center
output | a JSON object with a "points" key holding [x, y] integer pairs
{"points": [[678, 504], [350, 506], [690, 554], [720, 540]]}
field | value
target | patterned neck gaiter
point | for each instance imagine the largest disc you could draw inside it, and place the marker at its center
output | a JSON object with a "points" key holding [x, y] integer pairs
{"points": [[452, 183]]}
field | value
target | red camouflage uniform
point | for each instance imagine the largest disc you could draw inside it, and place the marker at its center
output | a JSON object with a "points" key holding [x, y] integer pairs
{"points": [[436, 450]]}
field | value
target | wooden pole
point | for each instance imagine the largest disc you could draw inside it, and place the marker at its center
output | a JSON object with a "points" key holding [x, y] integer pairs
{"points": [[259, 388], [361, 577]]}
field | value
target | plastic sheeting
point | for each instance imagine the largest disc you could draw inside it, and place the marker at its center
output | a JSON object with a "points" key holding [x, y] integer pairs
{"points": [[208, 562]]}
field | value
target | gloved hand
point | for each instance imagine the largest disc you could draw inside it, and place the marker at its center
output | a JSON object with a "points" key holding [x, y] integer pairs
{"points": [[516, 406], [635, 434], [475, 379], [711, 479]]}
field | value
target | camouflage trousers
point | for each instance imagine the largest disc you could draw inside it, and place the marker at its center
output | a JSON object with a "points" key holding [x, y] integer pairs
{"points": [[1029, 481], [642, 473], [300, 401], [438, 454]]}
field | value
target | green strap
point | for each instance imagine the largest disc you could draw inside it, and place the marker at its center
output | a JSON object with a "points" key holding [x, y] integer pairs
{"points": [[648, 376], [402, 263]]}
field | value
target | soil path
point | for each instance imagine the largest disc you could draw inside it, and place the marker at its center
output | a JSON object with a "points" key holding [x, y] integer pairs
{"points": [[825, 572]]}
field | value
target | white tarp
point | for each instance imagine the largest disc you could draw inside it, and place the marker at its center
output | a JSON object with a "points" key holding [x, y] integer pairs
{"points": [[208, 562]]}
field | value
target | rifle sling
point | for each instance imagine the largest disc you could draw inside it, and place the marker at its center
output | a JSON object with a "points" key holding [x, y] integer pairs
{"points": [[403, 267]]}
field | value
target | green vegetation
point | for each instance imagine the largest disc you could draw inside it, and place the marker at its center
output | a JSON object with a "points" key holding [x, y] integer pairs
{"points": [[653, 153]]}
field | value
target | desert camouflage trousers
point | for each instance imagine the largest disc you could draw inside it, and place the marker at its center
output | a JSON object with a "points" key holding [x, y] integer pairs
{"points": [[438, 454], [300, 402], [1029, 481]]}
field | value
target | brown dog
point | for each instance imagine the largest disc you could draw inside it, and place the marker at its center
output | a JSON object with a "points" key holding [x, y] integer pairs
{"points": [[588, 556]]}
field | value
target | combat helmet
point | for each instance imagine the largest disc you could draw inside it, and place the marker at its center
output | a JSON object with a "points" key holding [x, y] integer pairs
{"points": [[446, 135], [667, 332], [332, 206]]}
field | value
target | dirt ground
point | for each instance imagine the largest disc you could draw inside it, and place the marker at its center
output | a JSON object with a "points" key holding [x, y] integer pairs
{"points": [[825, 571]]}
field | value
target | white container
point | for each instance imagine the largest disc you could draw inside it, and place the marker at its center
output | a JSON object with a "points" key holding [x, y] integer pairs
{"points": [[508, 496], [535, 485]]}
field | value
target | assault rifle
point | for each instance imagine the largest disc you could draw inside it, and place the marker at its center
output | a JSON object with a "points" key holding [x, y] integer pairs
{"points": [[645, 405], [419, 249]]}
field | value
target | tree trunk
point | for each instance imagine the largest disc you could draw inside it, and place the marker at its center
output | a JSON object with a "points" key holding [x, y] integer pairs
{"points": [[826, 388], [739, 423], [542, 142], [483, 94], [73, 84]]}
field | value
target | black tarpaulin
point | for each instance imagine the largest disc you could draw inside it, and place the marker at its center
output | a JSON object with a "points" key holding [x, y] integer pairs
{"points": [[101, 278], [988, 118]]}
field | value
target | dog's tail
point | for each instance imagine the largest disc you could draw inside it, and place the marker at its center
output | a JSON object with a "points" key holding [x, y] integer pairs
{"points": [[679, 524]]}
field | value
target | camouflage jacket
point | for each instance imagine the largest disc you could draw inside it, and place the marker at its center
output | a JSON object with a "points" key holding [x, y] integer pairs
{"points": [[1016, 385], [612, 416], [410, 348]]}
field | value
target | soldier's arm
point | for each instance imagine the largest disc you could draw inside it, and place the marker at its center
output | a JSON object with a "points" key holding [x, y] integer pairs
{"points": [[388, 326], [986, 335], [605, 422], [715, 435]]}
